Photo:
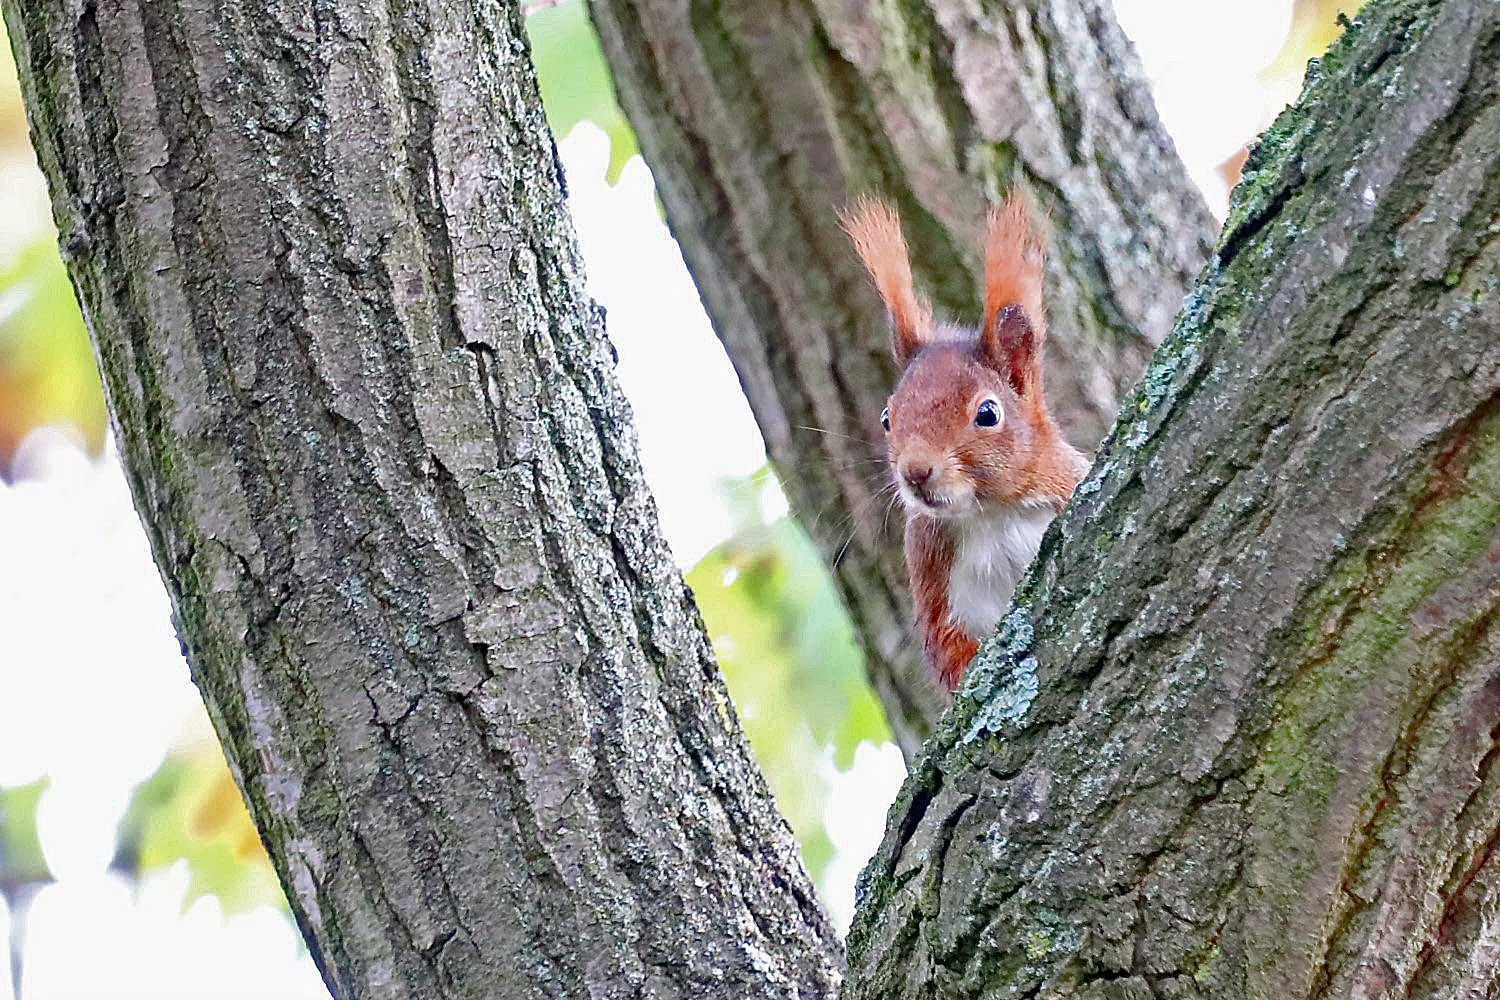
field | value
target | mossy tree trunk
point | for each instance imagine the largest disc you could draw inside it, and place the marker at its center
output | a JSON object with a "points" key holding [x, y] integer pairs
{"points": [[369, 420], [761, 119], [1240, 736]]}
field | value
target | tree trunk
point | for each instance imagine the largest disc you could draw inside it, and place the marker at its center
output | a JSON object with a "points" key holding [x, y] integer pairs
{"points": [[761, 119], [1239, 738], [369, 420]]}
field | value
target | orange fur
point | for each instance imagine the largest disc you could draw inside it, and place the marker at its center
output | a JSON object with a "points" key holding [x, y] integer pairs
{"points": [[1013, 255], [1014, 324], [974, 492], [946, 648], [876, 232]]}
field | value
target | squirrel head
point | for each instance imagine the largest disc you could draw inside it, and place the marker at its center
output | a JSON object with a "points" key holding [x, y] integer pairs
{"points": [[967, 426]]}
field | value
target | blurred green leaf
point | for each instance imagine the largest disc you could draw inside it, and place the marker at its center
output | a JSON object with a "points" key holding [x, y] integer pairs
{"points": [[47, 371], [191, 810], [789, 657], [21, 859], [575, 80]]}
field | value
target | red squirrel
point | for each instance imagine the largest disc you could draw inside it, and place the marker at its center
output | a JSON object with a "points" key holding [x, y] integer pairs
{"points": [[979, 463]]}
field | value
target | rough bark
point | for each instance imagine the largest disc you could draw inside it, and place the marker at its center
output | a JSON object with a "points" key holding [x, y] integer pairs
{"points": [[369, 421], [761, 119], [1240, 736]]}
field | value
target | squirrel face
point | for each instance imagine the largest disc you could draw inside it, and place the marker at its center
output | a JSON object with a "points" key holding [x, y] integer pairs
{"points": [[967, 426], [954, 433]]}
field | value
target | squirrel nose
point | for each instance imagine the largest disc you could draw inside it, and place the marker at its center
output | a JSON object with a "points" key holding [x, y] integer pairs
{"points": [[917, 473]]}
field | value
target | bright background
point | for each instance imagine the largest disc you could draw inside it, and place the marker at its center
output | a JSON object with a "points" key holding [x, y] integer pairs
{"points": [[128, 867]]}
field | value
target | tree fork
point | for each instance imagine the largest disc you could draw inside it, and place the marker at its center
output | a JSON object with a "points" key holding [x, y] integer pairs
{"points": [[1238, 739]]}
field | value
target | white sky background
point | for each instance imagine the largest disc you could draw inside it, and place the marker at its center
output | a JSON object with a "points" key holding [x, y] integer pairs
{"points": [[93, 691]]}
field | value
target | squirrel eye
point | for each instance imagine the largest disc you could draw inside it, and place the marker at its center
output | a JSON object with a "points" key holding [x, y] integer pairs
{"points": [[988, 415], [885, 418]]}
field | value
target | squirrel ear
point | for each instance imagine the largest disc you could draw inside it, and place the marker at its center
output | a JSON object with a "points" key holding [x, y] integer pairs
{"points": [[876, 232], [1014, 324], [1012, 346]]}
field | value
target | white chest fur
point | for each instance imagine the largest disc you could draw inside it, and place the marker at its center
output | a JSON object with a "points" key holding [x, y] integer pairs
{"points": [[990, 554]]}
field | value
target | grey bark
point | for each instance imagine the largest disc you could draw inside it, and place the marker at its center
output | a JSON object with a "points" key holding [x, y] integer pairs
{"points": [[761, 119], [1240, 736], [1239, 739], [369, 421]]}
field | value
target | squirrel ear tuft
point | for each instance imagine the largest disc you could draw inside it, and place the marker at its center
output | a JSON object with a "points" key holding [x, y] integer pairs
{"points": [[876, 232], [1014, 324]]}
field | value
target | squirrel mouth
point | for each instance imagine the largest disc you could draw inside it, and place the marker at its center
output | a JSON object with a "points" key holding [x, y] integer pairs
{"points": [[925, 499]]}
